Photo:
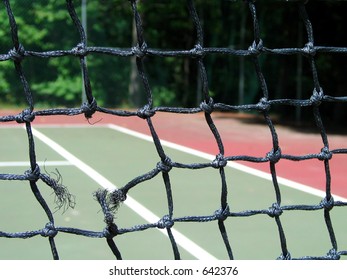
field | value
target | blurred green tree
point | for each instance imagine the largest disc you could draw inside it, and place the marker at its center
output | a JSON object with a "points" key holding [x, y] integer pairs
{"points": [[46, 25]]}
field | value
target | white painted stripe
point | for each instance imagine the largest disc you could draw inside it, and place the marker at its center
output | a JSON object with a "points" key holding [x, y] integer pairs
{"points": [[27, 163], [241, 167], [141, 210]]}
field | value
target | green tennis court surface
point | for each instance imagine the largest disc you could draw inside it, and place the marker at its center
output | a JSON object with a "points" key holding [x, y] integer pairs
{"points": [[101, 156]]}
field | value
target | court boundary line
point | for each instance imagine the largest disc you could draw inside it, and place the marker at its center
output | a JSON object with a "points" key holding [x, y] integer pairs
{"points": [[190, 246], [252, 171]]}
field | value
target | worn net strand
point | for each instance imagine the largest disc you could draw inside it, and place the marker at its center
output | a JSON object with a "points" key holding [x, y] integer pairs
{"points": [[111, 201]]}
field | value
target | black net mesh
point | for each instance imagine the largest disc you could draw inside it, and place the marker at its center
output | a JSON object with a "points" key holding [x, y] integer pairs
{"points": [[110, 201]]}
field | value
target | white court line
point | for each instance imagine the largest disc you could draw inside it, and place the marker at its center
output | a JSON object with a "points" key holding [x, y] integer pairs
{"points": [[145, 213], [27, 163], [243, 168]]}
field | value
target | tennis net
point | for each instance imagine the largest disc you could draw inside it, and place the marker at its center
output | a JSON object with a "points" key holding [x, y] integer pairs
{"points": [[111, 201]]}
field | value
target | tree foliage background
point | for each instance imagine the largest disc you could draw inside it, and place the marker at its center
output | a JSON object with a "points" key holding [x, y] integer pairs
{"points": [[45, 25]]}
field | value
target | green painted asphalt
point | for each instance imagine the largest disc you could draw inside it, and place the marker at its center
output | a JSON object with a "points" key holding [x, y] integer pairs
{"points": [[120, 158]]}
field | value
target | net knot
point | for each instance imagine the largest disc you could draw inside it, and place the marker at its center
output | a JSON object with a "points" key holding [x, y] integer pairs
{"points": [[285, 257], [165, 222], [197, 51], [333, 254], [26, 116], [317, 97], [274, 155], [111, 231], [49, 230], [327, 204], [165, 165], [256, 48], [207, 107], [117, 196], [145, 112], [139, 51], [275, 210], [219, 161], [79, 50], [263, 105], [33, 175], [89, 108], [309, 49], [325, 154], [17, 54], [221, 214]]}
